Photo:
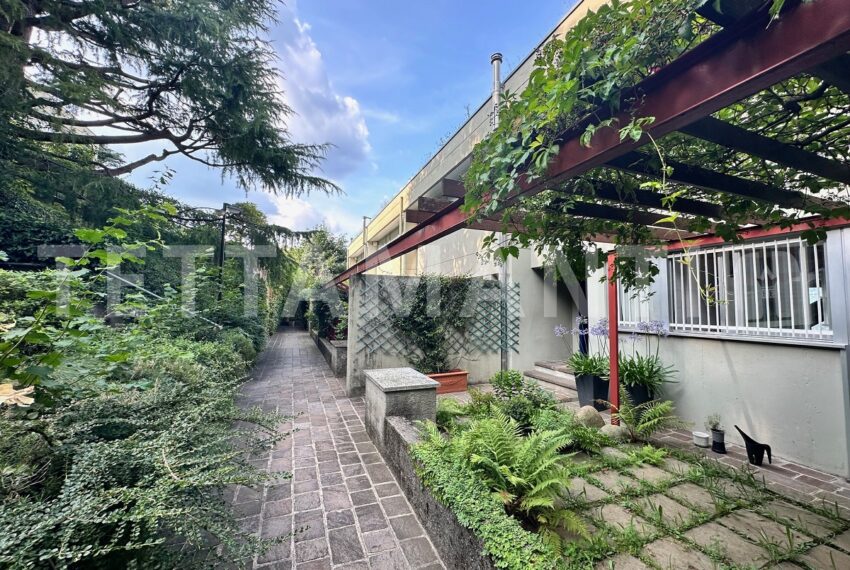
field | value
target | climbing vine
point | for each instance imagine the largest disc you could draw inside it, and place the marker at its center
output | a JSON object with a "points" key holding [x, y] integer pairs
{"points": [[582, 81], [428, 319]]}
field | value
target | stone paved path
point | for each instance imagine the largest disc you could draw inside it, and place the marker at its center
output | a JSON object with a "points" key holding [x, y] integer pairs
{"points": [[342, 495]]}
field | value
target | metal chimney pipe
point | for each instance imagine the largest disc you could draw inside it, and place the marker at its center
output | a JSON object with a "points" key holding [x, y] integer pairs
{"points": [[496, 61], [504, 271]]}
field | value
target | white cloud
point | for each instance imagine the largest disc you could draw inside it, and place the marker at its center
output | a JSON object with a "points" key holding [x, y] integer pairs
{"points": [[382, 116], [321, 114], [299, 214]]}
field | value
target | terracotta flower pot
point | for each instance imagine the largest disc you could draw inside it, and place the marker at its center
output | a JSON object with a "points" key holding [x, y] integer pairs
{"points": [[452, 381]]}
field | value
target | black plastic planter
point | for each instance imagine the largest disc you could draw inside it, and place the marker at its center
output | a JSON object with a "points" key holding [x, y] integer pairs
{"points": [[638, 394], [590, 390], [718, 441]]}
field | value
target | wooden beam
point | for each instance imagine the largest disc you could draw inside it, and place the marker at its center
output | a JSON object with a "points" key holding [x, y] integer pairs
{"points": [[683, 173], [734, 137]]}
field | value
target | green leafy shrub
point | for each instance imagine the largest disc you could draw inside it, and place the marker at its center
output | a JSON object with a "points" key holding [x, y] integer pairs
{"points": [[508, 383], [553, 420], [113, 480], [480, 404], [448, 410], [645, 370], [241, 343], [125, 455], [519, 397], [647, 455], [580, 438], [456, 485], [646, 419]]}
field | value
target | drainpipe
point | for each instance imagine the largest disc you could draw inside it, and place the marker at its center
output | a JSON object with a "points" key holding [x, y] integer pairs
{"points": [[504, 273]]}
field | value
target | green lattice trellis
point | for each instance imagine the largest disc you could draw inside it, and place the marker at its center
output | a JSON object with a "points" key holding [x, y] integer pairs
{"points": [[483, 334]]}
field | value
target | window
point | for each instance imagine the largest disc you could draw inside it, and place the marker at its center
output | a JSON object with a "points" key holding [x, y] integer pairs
{"points": [[772, 288]]}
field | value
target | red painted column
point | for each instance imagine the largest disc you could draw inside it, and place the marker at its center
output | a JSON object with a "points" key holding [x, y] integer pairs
{"points": [[613, 338]]}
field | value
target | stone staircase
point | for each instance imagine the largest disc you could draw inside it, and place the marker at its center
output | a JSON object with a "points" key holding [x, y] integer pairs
{"points": [[556, 377]]}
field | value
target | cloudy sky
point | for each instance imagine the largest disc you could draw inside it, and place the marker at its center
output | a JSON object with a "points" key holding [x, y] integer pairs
{"points": [[383, 81]]}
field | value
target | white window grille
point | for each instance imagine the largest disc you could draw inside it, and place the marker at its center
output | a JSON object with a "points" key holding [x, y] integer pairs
{"points": [[773, 288], [635, 307]]}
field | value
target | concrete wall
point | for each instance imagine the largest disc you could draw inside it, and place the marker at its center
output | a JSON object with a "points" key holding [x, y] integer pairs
{"points": [[543, 304], [480, 366], [791, 397]]}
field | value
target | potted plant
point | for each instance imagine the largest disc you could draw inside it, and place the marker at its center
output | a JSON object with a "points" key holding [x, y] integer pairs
{"points": [[591, 370], [643, 377], [428, 334], [643, 373], [718, 434]]}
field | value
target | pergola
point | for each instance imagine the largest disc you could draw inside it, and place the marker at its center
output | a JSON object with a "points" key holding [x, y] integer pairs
{"points": [[748, 55]]}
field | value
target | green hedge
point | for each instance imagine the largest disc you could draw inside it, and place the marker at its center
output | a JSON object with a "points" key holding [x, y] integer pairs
{"points": [[125, 460]]}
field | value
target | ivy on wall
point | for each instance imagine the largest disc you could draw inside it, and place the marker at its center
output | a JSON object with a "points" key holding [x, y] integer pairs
{"points": [[400, 315], [425, 326]]}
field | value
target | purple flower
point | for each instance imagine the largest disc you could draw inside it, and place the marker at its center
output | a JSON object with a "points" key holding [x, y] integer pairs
{"points": [[561, 331], [643, 326], [600, 328], [658, 327]]}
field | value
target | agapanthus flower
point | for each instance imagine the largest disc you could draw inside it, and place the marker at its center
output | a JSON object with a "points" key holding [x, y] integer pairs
{"points": [[561, 331], [659, 327], [600, 328]]}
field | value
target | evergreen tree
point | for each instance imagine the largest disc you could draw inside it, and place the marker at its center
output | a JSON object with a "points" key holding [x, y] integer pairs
{"points": [[187, 77]]}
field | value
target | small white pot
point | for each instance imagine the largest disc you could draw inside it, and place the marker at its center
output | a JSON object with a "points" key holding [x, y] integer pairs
{"points": [[701, 439]]}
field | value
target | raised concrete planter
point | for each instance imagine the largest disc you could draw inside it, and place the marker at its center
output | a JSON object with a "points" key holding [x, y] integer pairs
{"points": [[397, 392], [336, 353], [457, 545]]}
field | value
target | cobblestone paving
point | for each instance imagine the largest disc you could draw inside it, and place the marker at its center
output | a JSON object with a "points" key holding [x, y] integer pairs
{"points": [[343, 502]]}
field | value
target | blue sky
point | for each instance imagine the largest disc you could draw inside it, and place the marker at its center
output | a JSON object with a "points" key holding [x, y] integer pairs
{"points": [[384, 81]]}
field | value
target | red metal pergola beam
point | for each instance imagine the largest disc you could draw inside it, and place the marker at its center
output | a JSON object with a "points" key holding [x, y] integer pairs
{"points": [[730, 66]]}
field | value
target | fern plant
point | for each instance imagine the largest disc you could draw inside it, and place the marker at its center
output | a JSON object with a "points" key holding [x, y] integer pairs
{"points": [[642, 421], [527, 474]]}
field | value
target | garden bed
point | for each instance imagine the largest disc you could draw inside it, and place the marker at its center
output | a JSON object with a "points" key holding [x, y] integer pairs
{"points": [[621, 504], [458, 546], [335, 353]]}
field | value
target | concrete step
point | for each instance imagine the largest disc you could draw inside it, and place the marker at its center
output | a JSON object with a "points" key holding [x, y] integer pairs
{"points": [[562, 394], [557, 378], [554, 365]]}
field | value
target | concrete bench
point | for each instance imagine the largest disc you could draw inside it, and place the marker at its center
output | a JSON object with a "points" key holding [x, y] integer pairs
{"points": [[400, 392]]}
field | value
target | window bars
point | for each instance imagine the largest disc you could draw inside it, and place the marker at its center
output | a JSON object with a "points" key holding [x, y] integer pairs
{"points": [[773, 288]]}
